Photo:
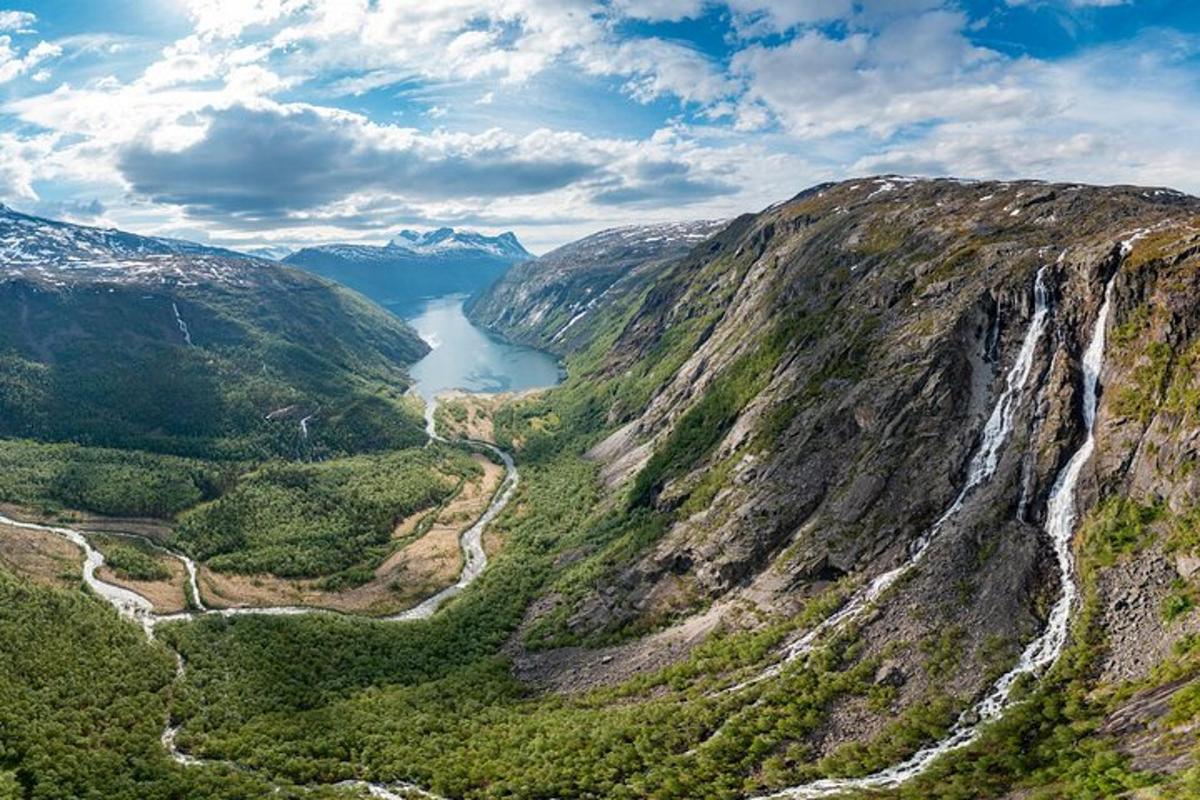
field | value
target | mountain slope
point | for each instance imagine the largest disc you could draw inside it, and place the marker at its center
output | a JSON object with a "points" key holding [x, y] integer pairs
{"points": [[37, 243], [856, 474], [414, 265], [546, 303], [108, 338], [799, 403]]}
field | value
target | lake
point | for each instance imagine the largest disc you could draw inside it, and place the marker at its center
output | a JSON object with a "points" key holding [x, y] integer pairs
{"points": [[466, 357]]}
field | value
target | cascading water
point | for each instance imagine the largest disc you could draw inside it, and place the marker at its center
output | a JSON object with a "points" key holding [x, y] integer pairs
{"points": [[1061, 515], [183, 326], [982, 467]]}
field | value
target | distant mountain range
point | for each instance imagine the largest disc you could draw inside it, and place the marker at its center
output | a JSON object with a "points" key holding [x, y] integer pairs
{"points": [[416, 265], [270, 252], [55, 250]]}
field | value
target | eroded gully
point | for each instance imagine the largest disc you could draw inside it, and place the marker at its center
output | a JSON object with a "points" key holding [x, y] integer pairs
{"points": [[1038, 655], [1044, 650]]}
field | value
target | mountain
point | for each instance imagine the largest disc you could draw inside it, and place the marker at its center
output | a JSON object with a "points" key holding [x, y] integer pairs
{"points": [[885, 491], [545, 303], [110, 338], [270, 252], [29, 242], [941, 434], [414, 265]]}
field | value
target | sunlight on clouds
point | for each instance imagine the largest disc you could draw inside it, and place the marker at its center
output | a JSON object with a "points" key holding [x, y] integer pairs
{"points": [[283, 113], [17, 22]]}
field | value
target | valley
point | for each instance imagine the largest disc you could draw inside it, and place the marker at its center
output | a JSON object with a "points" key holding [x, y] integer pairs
{"points": [[846, 498]]}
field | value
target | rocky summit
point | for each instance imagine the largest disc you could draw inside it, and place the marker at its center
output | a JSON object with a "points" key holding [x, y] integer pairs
{"points": [[414, 265]]}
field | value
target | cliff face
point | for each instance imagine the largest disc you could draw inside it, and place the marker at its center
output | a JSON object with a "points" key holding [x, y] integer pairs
{"points": [[823, 377]]}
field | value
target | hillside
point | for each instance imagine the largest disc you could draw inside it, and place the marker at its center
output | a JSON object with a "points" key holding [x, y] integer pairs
{"points": [[414, 266], [546, 303], [116, 340], [845, 399], [896, 469]]}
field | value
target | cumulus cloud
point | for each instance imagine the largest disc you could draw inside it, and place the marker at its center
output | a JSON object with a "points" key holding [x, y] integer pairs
{"points": [[17, 21], [14, 64], [222, 129], [276, 162], [920, 67], [266, 162]]}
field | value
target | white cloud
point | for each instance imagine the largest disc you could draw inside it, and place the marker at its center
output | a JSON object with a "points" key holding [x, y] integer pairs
{"points": [[13, 64], [916, 69], [210, 135], [228, 18], [656, 67], [17, 21]]}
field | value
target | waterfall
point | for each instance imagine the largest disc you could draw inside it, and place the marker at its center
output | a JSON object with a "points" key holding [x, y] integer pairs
{"points": [[1061, 515], [183, 327], [983, 465]]}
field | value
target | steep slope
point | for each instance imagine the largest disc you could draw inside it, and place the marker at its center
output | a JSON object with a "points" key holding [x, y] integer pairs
{"points": [[851, 477], [800, 403], [546, 303], [43, 244], [108, 338], [414, 265]]}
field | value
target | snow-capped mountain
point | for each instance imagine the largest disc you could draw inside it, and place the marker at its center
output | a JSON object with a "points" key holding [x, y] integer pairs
{"points": [[445, 241], [62, 253], [26, 240], [415, 265], [270, 252]]}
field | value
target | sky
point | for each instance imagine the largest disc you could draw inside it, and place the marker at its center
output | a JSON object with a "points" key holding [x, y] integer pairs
{"points": [[290, 122]]}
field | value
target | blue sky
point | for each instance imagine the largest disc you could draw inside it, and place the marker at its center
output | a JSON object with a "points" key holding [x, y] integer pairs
{"points": [[249, 122]]}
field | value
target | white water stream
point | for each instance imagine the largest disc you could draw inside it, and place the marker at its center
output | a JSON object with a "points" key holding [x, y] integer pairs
{"points": [[983, 465], [1039, 654], [1061, 515], [183, 326]]}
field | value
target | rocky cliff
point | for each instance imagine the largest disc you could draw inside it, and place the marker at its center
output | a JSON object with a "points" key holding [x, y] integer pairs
{"points": [[804, 398]]}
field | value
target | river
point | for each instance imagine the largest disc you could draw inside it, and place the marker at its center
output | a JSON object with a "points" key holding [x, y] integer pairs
{"points": [[466, 357]]}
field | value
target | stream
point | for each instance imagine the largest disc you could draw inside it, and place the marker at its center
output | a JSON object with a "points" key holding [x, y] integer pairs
{"points": [[1039, 654], [1043, 651], [133, 606]]}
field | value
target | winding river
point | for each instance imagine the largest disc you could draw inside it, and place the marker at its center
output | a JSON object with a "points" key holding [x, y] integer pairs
{"points": [[1061, 516], [134, 606]]}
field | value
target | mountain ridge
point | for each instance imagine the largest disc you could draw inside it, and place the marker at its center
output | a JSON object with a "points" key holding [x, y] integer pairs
{"points": [[112, 338], [414, 265], [545, 302]]}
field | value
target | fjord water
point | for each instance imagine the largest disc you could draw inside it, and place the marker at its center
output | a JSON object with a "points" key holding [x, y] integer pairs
{"points": [[465, 357]]}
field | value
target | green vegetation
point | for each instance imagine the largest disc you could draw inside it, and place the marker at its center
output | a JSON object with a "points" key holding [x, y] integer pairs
{"points": [[133, 563], [308, 520], [1118, 526], [1047, 743], [83, 698], [119, 375], [105, 481]]}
